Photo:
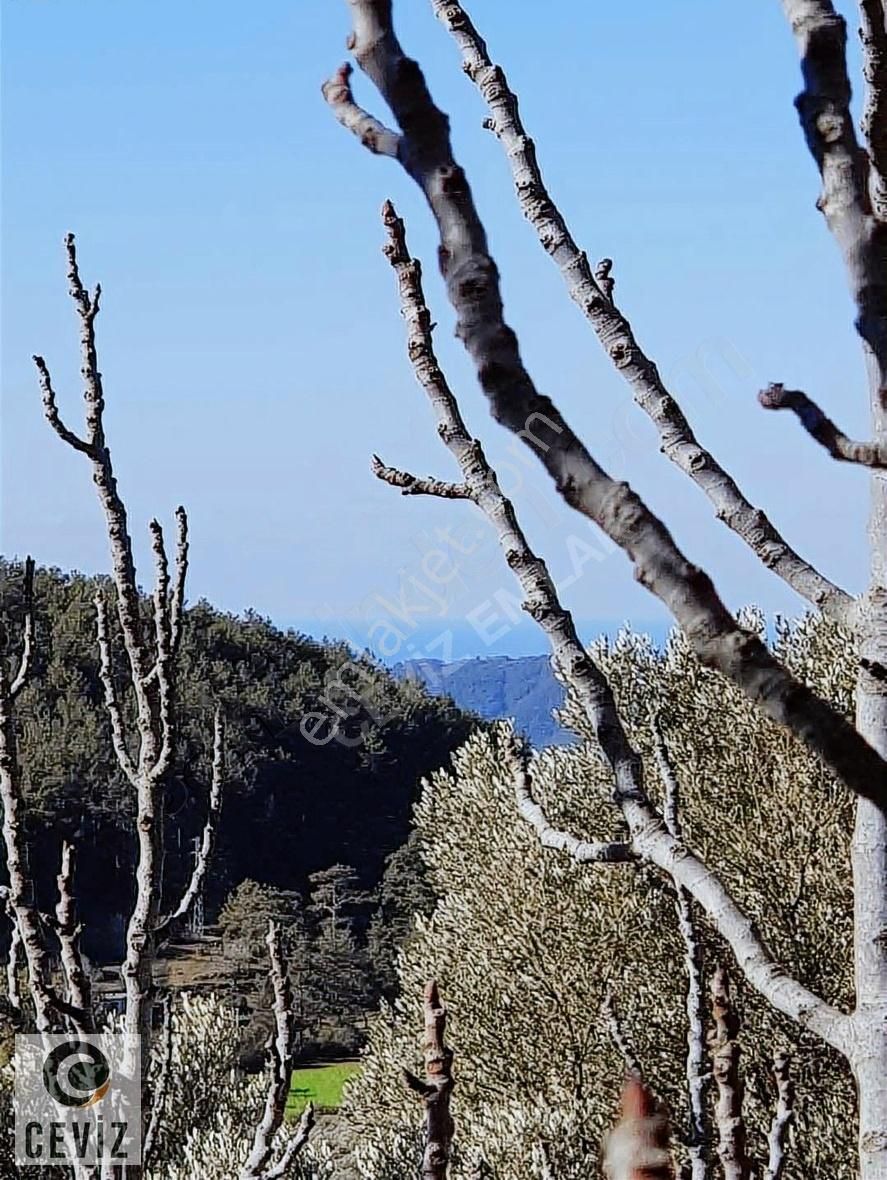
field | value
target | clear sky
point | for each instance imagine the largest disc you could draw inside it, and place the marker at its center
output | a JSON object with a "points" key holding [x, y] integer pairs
{"points": [[250, 341]]}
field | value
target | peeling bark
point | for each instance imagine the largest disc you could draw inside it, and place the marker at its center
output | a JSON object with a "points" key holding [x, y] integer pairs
{"points": [[725, 1052], [436, 1089]]}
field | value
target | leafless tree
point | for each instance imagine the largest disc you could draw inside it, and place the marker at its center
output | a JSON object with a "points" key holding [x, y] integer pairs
{"points": [[151, 639], [853, 202]]}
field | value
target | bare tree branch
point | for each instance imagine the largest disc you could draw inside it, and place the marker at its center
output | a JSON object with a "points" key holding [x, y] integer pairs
{"points": [[593, 294], [619, 1038], [473, 287], [68, 931], [435, 1091], [13, 992], [820, 427], [375, 136], [650, 838], [112, 704], [698, 1076], [729, 1120], [20, 896], [414, 485], [51, 411], [177, 602], [24, 666], [873, 35], [582, 851], [294, 1145], [777, 1140], [207, 840], [282, 1048], [163, 667], [827, 122]]}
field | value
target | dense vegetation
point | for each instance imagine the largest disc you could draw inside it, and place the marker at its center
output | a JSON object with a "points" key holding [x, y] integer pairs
{"points": [[759, 805], [291, 809]]}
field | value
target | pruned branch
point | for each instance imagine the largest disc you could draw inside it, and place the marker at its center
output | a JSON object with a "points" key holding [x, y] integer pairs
{"points": [[436, 1089], [650, 838], [821, 427], [208, 838], [414, 485], [282, 1048], [592, 291], [27, 654], [177, 601], [639, 1146], [777, 1140], [20, 898], [582, 851], [373, 134], [473, 287], [729, 1120], [873, 35], [51, 411], [698, 1076], [68, 930], [827, 121], [163, 672], [112, 703]]}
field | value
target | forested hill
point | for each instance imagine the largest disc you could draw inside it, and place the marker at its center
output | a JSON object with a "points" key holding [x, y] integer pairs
{"points": [[291, 807], [498, 686]]}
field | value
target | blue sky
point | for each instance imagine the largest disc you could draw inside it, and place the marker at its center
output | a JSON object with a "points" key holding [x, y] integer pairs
{"points": [[250, 340]]}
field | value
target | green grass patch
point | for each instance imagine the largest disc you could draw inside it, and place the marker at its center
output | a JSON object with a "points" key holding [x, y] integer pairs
{"points": [[320, 1084]]}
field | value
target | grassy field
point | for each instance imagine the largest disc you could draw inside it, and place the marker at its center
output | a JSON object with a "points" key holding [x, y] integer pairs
{"points": [[320, 1084]]}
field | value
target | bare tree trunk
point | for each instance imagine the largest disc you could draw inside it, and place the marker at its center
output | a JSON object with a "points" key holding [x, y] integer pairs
{"points": [[435, 1091], [725, 1067], [852, 203]]}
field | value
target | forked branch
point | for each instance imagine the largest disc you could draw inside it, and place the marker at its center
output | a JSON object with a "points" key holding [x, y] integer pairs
{"points": [[473, 287], [650, 838], [282, 1048], [592, 291]]}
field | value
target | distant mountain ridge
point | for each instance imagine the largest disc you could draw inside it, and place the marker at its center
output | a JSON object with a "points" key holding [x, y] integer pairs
{"points": [[523, 688]]}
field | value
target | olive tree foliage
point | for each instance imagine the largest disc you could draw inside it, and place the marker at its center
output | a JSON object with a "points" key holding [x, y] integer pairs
{"points": [[210, 1104], [528, 944]]}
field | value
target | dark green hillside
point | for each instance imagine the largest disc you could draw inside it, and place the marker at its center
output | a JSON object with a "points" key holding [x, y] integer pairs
{"points": [[291, 807]]}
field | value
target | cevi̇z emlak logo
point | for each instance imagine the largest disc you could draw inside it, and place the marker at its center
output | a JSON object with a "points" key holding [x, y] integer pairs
{"points": [[77, 1099]]}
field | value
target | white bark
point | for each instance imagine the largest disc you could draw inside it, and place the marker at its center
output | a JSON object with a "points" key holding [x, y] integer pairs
{"points": [[472, 281], [592, 292], [258, 1165], [698, 1138], [851, 182], [777, 1139]]}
